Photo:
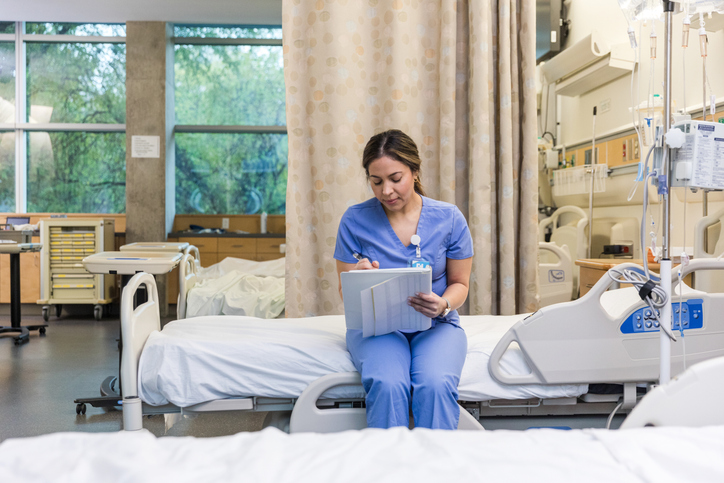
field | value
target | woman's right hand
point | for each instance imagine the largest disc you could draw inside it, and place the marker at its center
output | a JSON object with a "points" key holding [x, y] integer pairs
{"points": [[365, 264]]}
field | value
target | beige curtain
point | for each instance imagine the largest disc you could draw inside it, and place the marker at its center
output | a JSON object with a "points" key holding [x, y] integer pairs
{"points": [[458, 77]]}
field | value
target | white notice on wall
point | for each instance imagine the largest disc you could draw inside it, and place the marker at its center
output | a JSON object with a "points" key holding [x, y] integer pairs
{"points": [[146, 146]]}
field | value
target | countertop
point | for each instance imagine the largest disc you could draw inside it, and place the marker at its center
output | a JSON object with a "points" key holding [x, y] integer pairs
{"points": [[190, 234]]}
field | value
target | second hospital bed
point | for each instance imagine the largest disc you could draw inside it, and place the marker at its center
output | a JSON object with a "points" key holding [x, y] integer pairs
{"points": [[233, 286], [302, 365]]}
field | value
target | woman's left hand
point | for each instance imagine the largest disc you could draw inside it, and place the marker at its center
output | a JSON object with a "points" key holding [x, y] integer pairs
{"points": [[429, 304]]}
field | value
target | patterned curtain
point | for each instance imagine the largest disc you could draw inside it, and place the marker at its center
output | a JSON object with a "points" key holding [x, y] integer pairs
{"points": [[458, 77]]}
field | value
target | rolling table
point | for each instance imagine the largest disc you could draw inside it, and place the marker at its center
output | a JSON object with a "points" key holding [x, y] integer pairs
{"points": [[14, 250], [127, 264]]}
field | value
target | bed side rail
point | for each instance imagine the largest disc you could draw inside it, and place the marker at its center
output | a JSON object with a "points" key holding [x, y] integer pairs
{"points": [[567, 312], [136, 325], [187, 281], [307, 417]]}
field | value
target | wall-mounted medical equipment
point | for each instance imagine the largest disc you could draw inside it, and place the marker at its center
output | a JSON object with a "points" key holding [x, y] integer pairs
{"points": [[699, 160], [588, 64], [575, 181]]}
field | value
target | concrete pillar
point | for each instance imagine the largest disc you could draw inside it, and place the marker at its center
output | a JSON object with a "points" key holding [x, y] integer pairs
{"points": [[150, 182]]}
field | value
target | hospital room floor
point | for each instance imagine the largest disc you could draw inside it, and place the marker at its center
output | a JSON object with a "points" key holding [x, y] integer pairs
{"points": [[39, 381]]}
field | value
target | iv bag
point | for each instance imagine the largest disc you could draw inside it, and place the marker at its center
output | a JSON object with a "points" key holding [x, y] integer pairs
{"points": [[641, 9]]}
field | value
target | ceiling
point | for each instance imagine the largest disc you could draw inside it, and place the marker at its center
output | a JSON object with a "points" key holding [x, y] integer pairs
{"points": [[250, 12]]}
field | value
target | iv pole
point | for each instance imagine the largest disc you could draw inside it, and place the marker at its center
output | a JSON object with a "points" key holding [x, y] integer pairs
{"points": [[665, 342]]}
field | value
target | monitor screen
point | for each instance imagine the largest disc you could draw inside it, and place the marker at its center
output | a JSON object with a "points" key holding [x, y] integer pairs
{"points": [[18, 220]]}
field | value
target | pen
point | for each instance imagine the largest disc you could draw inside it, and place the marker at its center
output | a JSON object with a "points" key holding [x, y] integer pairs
{"points": [[358, 256]]}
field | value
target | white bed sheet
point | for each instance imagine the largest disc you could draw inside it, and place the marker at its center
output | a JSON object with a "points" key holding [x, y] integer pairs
{"points": [[215, 357], [659, 455], [237, 293]]}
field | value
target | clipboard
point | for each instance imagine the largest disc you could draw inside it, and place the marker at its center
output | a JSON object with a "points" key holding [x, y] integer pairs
{"points": [[355, 282]]}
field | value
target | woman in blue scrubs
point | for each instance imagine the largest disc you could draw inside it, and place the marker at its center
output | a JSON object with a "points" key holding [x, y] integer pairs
{"points": [[403, 370]]}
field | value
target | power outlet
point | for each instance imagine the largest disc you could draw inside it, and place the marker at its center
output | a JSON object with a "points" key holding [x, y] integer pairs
{"points": [[225, 223]]}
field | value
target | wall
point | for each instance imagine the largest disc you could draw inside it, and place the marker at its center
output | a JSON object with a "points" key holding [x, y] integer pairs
{"points": [[576, 112]]}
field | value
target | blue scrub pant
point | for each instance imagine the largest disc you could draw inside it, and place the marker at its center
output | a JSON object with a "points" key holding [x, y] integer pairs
{"points": [[428, 362]]}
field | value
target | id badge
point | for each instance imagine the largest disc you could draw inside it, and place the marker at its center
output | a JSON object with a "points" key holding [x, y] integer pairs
{"points": [[418, 263]]}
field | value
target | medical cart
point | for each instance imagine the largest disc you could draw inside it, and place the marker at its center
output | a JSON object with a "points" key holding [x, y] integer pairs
{"points": [[63, 278]]}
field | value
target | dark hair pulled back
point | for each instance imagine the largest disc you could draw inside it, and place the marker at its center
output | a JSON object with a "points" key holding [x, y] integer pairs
{"points": [[396, 145]]}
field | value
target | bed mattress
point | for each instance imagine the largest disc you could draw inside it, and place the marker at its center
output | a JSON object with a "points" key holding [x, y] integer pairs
{"points": [[215, 357], [373, 455]]}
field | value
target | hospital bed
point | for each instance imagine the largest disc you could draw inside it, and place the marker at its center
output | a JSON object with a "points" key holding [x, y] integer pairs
{"points": [[674, 452], [708, 232], [233, 286], [300, 372], [567, 232]]}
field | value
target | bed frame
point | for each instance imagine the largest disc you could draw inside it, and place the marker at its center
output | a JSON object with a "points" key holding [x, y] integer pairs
{"points": [[564, 330]]}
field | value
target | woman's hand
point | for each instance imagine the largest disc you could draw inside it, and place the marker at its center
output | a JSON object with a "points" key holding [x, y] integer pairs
{"points": [[428, 304], [365, 264]]}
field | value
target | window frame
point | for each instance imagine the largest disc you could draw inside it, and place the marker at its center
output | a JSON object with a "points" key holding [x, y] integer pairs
{"points": [[220, 129], [21, 127], [221, 41]]}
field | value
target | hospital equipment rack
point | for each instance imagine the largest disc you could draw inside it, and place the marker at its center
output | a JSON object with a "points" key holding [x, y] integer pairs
{"points": [[64, 280]]}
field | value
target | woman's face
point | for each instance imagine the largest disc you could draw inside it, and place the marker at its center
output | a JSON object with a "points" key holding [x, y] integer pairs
{"points": [[393, 183]]}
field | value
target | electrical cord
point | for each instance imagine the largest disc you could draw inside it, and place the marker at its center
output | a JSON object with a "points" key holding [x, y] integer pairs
{"points": [[656, 297], [613, 413]]}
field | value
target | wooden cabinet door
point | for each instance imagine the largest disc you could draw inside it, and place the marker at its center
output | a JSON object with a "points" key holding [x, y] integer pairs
{"points": [[269, 247], [29, 278], [238, 247]]}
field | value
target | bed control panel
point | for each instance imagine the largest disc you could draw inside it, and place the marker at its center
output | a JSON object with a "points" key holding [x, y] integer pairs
{"points": [[689, 314]]}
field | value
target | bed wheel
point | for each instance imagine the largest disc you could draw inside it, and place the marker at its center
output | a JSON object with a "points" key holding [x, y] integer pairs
{"points": [[58, 310], [42, 330], [98, 312], [46, 313], [80, 408]]}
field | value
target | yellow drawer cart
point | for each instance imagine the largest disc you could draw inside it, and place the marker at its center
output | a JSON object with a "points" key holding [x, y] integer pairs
{"points": [[63, 279]]}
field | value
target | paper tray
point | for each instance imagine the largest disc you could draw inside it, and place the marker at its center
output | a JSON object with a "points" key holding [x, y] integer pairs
{"points": [[172, 247], [130, 263]]}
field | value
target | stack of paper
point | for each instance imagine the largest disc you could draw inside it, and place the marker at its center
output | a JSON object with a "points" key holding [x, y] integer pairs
{"points": [[384, 305]]}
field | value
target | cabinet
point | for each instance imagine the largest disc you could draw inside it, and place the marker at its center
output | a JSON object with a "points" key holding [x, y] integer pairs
{"points": [[63, 278], [29, 277]]}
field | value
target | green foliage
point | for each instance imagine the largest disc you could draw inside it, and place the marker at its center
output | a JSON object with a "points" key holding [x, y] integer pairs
{"points": [[7, 171], [7, 27], [85, 83], [76, 172], [229, 85], [246, 32], [7, 82], [97, 29], [230, 173], [81, 83]]}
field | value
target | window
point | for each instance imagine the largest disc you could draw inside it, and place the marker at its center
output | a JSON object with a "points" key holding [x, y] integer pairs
{"points": [[68, 135], [231, 142]]}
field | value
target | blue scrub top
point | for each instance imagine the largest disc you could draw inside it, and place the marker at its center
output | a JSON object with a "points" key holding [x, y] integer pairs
{"points": [[442, 229]]}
